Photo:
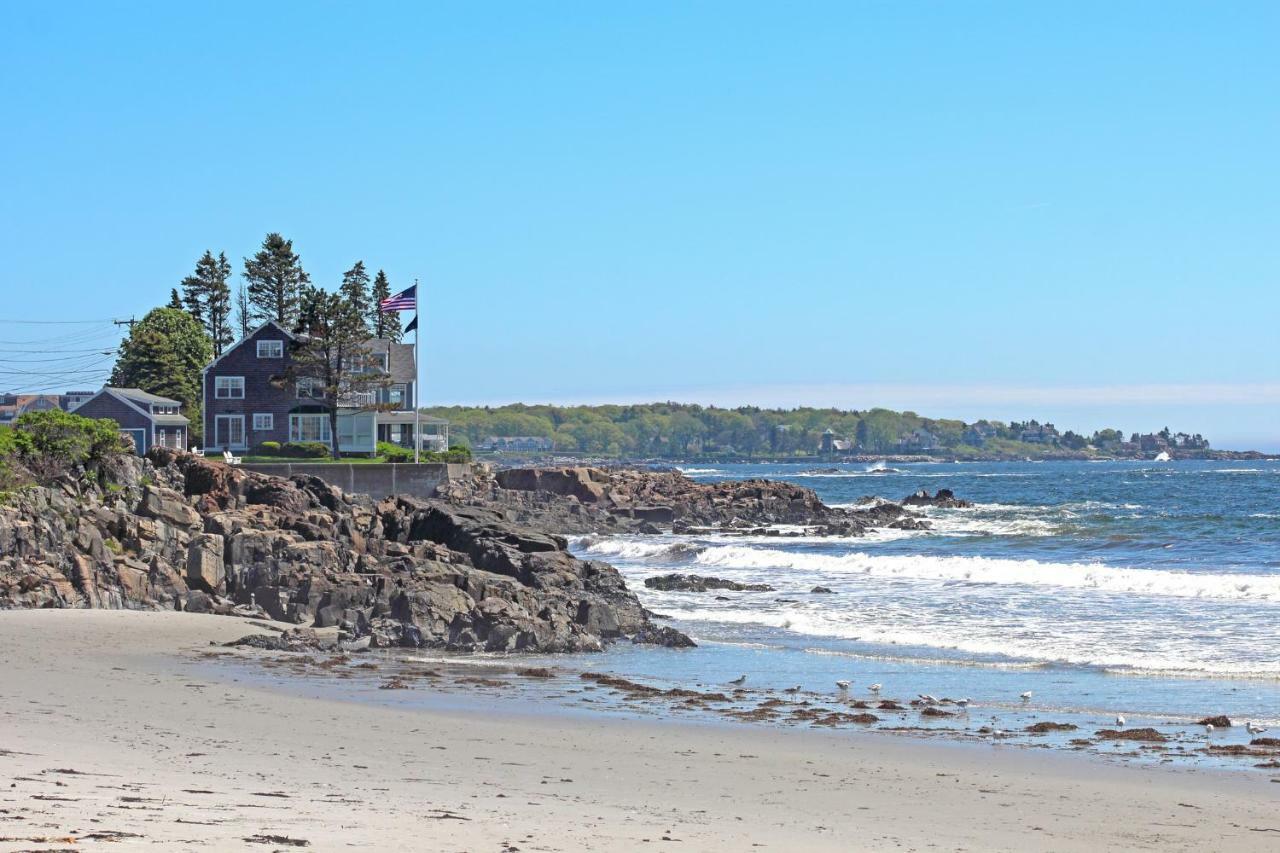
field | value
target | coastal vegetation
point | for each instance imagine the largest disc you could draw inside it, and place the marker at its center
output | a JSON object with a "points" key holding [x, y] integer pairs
{"points": [[690, 431], [42, 446]]}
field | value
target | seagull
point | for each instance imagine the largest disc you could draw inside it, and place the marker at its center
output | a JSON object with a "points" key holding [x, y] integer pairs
{"points": [[1253, 728], [1120, 720], [1026, 697], [795, 689], [875, 688], [843, 685], [741, 679], [964, 703], [927, 699], [1208, 728]]}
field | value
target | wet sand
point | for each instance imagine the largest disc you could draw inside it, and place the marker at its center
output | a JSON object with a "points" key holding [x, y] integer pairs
{"points": [[112, 723]]}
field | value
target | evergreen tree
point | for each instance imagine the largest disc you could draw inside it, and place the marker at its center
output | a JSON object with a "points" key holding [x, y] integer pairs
{"points": [[331, 351], [207, 297], [174, 301], [275, 281], [242, 311], [355, 289], [383, 325], [164, 354]]}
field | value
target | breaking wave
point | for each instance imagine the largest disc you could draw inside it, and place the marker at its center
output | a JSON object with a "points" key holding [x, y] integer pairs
{"points": [[991, 570]]}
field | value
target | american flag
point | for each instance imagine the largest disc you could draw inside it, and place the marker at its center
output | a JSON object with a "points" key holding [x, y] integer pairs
{"points": [[405, 300]]}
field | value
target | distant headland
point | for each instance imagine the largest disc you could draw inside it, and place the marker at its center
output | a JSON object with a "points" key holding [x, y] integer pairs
{"points": [[680, 431]]}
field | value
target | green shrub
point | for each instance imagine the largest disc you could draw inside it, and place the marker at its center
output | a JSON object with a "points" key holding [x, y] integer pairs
{"points": [[268, 448], [12, 473], [455, 454], [51, 442], [394, 452], [305, 450]]}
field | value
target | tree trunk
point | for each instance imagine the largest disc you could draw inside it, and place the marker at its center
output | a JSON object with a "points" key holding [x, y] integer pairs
{"points": [[333, 430]]}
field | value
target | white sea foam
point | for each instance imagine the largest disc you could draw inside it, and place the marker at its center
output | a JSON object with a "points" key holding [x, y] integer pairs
{"points": [[696, 471], [989, 570], [646, 550]]}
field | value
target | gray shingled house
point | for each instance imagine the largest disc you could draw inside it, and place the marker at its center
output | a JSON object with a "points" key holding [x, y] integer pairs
{"points": [[250, 396], [148, 419]]}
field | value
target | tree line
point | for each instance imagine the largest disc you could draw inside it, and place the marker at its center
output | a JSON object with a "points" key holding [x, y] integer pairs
{"points": [[682, 431], [274, 286]]}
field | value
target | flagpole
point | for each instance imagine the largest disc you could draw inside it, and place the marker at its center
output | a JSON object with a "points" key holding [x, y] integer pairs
{"points": [[417, 376]]}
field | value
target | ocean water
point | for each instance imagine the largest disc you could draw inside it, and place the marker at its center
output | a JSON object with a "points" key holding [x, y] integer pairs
{"points": [[1143, 588]]}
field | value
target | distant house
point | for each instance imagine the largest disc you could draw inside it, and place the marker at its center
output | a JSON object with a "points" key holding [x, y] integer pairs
{"points": [[918, 440], [251, 396], [1036, 433], [73, 399], [980, 433], [12, 406], [1189, 442], [148, 420], [1152, 443], [517, 444], [832, 445]]}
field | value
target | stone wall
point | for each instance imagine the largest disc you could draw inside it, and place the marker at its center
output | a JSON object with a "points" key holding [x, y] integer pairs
{"points": [[378, 480]]}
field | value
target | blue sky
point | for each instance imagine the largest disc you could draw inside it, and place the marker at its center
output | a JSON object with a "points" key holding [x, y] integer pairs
{"points": [[1062, 210]]}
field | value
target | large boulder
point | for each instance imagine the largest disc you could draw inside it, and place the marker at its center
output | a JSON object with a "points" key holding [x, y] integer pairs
{"points": [[206, 569], [168, 506], [585, 484]]}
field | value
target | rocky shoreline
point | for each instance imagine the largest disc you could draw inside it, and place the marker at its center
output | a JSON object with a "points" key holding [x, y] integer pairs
{"points": [[580, 500], [180, 532], [482, 567]]}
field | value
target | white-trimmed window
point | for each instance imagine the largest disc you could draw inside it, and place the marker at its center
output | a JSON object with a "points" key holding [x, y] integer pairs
{"points": [[310, 388], [263, 421], [271, 349], [228, 387], [228, 431], [310, 428]]}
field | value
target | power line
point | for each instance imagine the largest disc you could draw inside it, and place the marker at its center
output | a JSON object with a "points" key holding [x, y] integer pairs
{"points": [[58, 322], [26, 361]]}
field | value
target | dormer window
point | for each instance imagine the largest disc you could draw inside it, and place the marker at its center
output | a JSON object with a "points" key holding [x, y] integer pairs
{"points": [[270, 349]]}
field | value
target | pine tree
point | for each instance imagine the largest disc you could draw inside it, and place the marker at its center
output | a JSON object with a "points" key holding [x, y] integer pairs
{"points": [[242, 310], [355, 289], [207, 297], [383, 325], [335, 341], [174, 301], [275, 281]]}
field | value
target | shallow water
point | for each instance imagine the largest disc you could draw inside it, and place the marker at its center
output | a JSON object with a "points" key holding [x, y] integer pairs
{"points": [[1149, 589]]}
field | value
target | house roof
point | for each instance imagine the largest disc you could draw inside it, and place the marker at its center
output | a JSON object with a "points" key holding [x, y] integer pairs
{"points": [[142, 401], [146, 398], [400, 363], [226, 352]]}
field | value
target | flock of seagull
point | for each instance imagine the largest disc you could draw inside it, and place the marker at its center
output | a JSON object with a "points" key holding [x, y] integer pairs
{"points": [[843, 686]]}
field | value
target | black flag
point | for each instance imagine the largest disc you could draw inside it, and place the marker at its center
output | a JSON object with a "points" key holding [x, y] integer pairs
{"points": [[413, 324]]}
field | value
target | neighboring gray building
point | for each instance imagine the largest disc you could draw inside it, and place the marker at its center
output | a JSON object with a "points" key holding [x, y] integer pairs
{"points": [[147, 419]]}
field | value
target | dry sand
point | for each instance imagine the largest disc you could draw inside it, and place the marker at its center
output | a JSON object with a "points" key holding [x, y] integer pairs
{"points": [[108, 724]]}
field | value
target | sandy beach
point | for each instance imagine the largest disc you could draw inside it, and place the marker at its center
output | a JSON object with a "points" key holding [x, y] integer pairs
{"points": [[112, 731]]}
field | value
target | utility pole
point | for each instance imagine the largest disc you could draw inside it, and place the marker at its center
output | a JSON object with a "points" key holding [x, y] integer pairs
{"points": [[128, 323]]}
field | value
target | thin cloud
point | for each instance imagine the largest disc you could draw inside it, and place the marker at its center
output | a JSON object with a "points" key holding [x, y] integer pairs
{"points": [[912, 396]]}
